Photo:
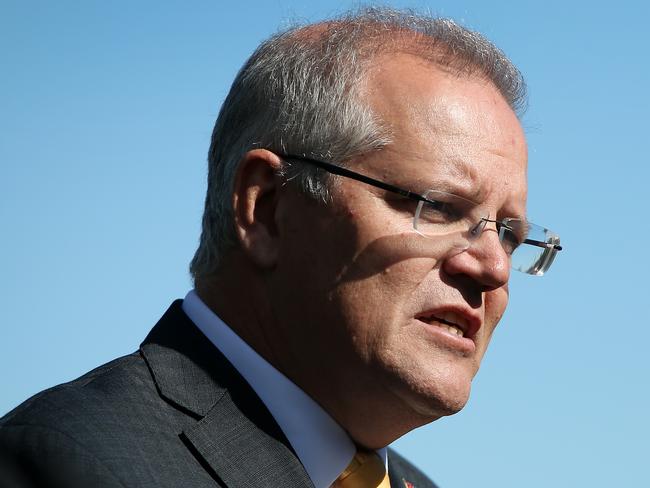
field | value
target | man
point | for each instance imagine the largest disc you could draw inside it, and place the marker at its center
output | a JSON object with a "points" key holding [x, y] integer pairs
{"points": [[366, 201]]}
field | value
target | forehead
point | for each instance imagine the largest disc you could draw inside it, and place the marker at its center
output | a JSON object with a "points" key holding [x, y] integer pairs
{"points": [[456, 131]]}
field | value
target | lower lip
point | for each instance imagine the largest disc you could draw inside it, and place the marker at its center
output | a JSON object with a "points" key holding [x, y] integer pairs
{"points": [[455, 343]]}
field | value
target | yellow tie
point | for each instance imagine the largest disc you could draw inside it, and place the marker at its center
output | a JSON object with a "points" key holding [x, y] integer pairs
{"points": [[364, 471]]}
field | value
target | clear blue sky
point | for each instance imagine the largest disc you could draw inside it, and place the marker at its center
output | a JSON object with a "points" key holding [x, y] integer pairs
{"points": [[106, 109]]}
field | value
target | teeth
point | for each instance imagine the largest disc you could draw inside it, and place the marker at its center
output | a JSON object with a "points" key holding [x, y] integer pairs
{"points": [[453, 330], [449, 318], [454, 318]]}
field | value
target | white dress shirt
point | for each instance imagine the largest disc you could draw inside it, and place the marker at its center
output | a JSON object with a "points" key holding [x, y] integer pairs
{"points": [[322, 446]]}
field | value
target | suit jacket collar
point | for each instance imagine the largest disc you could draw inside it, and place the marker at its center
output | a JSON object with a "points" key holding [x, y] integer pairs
{"points": [[235, 435]]}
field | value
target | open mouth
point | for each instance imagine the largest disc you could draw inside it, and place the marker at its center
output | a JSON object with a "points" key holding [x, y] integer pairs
{"points": [[452, 322]]}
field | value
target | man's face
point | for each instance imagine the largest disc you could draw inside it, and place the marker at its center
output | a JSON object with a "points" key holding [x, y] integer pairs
{"points": [[365, 306]]}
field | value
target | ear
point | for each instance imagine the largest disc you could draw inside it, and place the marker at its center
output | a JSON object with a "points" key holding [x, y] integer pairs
{"points": [[255, 197]]}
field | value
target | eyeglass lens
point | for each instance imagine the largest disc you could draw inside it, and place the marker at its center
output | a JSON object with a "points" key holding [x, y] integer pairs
{"points": [[531, 248]]}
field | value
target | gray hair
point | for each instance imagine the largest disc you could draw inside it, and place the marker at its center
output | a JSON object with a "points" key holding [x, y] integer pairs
{"points": [[299, 93]]}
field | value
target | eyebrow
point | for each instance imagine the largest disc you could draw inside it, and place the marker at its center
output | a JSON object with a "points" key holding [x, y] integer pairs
{"points": [[455, 176]]}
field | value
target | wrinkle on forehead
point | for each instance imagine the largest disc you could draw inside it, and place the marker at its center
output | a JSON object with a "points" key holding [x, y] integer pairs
{"points": [[452, 118], [449, 170], [426, 97], [459, 127]]}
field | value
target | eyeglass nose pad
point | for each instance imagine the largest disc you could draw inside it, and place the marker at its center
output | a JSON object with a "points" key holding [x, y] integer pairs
{"points": [[476, 231]]}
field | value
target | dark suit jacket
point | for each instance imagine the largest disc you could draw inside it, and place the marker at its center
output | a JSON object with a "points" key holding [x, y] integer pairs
{"points": [[173, 414]]}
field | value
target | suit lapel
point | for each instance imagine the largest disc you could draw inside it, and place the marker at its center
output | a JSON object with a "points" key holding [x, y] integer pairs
{"points": [[243, 453], [234, 434]]}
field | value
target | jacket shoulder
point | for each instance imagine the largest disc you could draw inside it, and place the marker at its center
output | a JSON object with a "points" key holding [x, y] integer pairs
{"points": [[57, 437], [93, 394], [113, 427]]}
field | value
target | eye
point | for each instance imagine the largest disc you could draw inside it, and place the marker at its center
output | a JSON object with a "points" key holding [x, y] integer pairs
{"points": [[402, 206], [440, 212]]}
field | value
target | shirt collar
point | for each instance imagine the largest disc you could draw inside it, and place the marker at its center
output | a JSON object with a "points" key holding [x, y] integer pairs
{"points": [[322, 446]]}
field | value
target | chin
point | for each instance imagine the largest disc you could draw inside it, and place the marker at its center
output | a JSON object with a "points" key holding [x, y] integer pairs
{"points": [[439, 396], [442, 405], [450, 406]]}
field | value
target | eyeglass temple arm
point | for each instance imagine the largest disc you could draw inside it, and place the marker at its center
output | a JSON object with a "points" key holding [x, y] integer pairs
{"points": [[341, 171], [533, 242]]}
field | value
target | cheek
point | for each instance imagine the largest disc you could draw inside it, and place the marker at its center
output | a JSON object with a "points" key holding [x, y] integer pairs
{"points": [[376, 308], [377, 281], [398, 258], [378, 289], [495, 306]]}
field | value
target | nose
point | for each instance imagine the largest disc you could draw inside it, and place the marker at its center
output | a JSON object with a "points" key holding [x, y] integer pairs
{"points": [[484, 261]]}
